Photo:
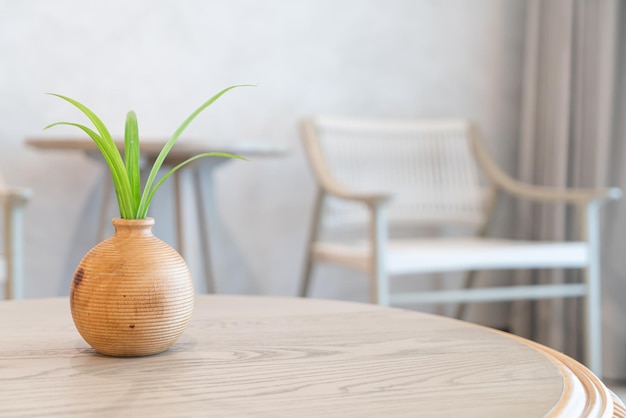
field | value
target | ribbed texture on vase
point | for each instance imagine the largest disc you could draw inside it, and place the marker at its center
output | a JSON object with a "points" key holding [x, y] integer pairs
{"points": [[132, 294]]}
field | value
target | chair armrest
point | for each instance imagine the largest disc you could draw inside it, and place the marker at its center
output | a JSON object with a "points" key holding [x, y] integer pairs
{"points": [[15, 196], [323, 174], [553, 194], [370, 199], [534, 192]]}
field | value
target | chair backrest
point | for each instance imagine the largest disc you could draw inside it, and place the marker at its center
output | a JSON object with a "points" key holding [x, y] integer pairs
{"points": [[427, 165]]}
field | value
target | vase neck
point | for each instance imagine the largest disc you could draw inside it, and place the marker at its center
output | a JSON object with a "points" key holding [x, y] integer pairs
{"points": [[133, 226]]}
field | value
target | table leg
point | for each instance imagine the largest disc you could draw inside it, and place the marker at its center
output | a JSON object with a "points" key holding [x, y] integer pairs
{"points": [[201, 211], [205, 211], [178, 213], [107, 188]]}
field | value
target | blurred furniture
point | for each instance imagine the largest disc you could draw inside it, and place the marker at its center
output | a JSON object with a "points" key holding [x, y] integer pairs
{"points": [[425, 173], [12, 201], [200, 175], [291, 357]]}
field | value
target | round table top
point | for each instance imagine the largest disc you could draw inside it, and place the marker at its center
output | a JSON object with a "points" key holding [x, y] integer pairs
{"points": [[151, 147], [268, 356]]}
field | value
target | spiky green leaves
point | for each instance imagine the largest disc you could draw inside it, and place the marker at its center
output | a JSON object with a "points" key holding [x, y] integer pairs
{"points": [[134, 204], [131, 154]]}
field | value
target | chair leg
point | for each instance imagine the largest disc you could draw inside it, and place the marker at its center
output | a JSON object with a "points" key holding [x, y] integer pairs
{"points": [[593, 324], [305, 284], [379, 288], [379, 277], [470, 277], [13, 245], [592, 301], [468, 283]]}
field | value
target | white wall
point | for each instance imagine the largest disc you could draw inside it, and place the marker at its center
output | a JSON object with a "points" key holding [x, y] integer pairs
{"points": [[162, 58]]}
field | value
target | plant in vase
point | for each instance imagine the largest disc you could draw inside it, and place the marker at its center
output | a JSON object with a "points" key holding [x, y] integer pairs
{"points": [[132, 294]]}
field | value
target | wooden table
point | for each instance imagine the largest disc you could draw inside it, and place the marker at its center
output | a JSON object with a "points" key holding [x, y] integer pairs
{"points": [[285, 357], [201, 177]]}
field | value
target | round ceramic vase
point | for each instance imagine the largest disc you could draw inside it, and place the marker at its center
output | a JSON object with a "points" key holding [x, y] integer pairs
{"points": [[132, 294]]}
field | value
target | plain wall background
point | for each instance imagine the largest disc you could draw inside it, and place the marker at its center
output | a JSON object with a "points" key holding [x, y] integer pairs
{"points": [[392, 58]]}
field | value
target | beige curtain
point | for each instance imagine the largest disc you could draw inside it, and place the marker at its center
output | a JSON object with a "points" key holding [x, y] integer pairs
{"points": [[614, 254], [571, 103]]}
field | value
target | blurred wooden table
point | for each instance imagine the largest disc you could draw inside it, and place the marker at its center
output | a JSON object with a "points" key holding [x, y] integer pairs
{"points": [[287, 357], [200, 175]]}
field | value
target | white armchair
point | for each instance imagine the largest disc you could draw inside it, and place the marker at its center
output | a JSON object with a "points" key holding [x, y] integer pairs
{"points": [[12, 201], [426, 172]]}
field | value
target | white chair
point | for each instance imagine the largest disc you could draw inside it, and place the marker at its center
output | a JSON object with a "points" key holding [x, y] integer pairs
{"points": [[12, 201], [425, 172]]}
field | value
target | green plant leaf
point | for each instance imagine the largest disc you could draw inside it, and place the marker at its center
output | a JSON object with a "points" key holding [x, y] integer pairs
{"points": [[184, 163], [115, 173], [126, 174], [113, 158], [131, 155], [147, 196]]}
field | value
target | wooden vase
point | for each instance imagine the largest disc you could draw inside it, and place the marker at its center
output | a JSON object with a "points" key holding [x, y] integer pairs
{"points": [[132, 294]]}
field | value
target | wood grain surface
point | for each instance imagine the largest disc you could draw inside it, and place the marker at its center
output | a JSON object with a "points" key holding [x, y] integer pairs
{"points": [[284, 357], [132, 294]]}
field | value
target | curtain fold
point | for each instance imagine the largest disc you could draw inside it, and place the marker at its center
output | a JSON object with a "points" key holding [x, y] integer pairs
{"points": [[568, 135]]}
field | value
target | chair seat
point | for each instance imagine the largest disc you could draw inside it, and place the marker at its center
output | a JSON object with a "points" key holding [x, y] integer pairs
{"points": [[459, 254]]}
